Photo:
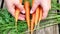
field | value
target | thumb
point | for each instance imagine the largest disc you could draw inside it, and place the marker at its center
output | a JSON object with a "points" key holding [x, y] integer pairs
{"points": [[35, 5]]}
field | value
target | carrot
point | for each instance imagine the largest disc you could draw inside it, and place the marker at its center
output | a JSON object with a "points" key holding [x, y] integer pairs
{"points": [[37, 15], [33, 20], [32, 23], [17, 12], [27, 9], [40, 16]]}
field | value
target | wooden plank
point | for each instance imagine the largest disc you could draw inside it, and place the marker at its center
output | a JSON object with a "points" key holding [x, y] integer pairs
{"points": [[55, 29], [52, 30], [0, 2], [40, 31], [4, 5], [59, 1], [49, 30]]}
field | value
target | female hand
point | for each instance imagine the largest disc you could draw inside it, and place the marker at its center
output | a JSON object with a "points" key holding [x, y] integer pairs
{"points": [[45, 4], [11, 8]]}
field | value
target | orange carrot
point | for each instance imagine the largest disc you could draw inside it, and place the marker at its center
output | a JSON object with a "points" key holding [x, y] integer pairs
{"points": [[33, 20], [17, 12], [40, 16], [37, 15], [27, 9], [32, 23]]}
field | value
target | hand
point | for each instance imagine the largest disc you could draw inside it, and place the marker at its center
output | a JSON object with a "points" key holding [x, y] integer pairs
{"points": [[45, 4], [11, 8]]}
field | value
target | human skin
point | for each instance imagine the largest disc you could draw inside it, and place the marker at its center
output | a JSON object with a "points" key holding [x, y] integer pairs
{"points": [[46, 5], [11, 8]]}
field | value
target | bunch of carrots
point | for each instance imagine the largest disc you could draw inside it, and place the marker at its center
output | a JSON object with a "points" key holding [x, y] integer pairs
{"points": [[36, 17]]}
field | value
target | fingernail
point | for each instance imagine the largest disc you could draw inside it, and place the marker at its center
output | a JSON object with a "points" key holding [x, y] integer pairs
{"points": [[23, 11], [31, 12]]}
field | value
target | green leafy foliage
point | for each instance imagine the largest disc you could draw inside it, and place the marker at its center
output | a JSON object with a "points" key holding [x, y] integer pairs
{"points": [[7, 23]]}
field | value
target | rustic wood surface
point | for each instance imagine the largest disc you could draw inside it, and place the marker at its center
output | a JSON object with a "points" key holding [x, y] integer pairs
{"points": [[49, 30], [0, 3], [4, 6]]}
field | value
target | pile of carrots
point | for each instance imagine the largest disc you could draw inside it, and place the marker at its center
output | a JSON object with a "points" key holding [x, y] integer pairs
{"points": [[36, 17]]}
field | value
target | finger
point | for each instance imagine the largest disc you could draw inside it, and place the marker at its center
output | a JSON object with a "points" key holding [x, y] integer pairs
{"points": [[35, 5], [20, 7], [21, 17]]}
